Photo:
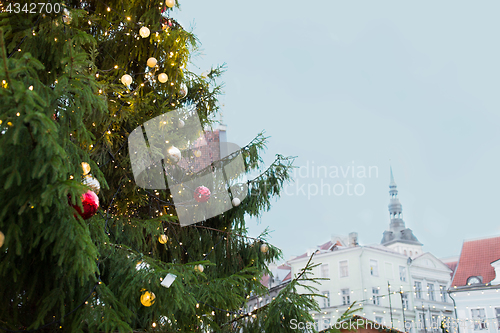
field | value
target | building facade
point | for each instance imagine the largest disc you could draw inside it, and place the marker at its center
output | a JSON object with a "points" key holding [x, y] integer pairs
{"points": [[395, 283], [476, 286]]}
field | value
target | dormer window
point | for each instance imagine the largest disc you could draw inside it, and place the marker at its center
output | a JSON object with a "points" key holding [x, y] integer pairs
{"points": [[474, 280]]}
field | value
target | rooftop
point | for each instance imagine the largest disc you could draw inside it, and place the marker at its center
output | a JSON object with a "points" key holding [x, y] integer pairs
{"points": [[475, 260]]}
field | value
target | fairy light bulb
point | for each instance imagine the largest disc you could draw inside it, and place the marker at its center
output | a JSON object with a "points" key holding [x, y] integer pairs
{"points": [[126, 79], [162, 77], [151, 62], [144, 32]]}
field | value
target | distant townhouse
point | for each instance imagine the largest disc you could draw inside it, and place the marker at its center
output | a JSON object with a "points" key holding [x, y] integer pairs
{"points": [[475, 286]]}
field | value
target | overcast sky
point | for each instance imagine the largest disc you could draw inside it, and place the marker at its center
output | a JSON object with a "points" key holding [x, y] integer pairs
{"points": [[360, 84]]}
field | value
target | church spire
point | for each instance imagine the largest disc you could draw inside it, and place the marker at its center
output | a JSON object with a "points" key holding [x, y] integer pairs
{"points": [[398, 236], [395, 207]]}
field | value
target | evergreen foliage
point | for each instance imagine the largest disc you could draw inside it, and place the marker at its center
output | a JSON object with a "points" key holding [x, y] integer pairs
{"points": [[62, 103]]}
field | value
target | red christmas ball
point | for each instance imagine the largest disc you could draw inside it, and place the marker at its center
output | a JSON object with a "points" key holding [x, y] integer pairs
{"points": [[90, 203], [201, 194]]}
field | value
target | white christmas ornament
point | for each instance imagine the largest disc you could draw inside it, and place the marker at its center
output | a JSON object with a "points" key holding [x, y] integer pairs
{"points": [[92, 183], [151, 62], [175, 154], [141, 265], [181, 123], [66, 16], [168, 280], [126, 79], [144, 32], [162, 77], [236, 202], [183, 90]]}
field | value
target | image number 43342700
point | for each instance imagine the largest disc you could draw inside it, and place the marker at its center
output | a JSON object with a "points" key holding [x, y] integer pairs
{"points": [[204, 174]]}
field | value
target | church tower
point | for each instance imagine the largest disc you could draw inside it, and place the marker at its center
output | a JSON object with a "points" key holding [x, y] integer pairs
{"points": [[399, 238]]}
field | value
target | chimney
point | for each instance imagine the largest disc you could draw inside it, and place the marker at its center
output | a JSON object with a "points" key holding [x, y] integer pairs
{"points": [[353, 239]]}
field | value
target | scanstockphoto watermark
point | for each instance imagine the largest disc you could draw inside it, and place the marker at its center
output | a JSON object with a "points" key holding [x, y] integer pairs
{"points": [[352, 325], [312, 180]]}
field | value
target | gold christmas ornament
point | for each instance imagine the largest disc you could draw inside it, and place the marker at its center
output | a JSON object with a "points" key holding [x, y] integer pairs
{"points": [[2, 238], [126, 79], [197, 153], [162, 77], [151, 62], [144, 32], [85, 168], [170, 3], [162, 239], [148, 298], [264, 248], [199, 268]]}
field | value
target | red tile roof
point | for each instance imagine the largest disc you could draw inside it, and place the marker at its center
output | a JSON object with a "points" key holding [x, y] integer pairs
{"points": [[209, 146], [475, 260], [326, 246], [452, 266], [288, 277], [265, 281], [284, 266]]}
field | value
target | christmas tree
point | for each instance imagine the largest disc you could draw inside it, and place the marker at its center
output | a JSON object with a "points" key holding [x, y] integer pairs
{"points": [[79, 78]]}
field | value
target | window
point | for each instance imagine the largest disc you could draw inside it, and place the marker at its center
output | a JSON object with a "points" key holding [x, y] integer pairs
{"points": [[443, 293], [379, 319], [421, 321], [479, 319], [325, 271], [326, 299], [402, 273], [418, 289], [374, 267], [316, 324], [345, 296], [343, 268], [326, 323], [404, 300], [430, 287], [434, 323], [498, 317], [376, 299]]}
